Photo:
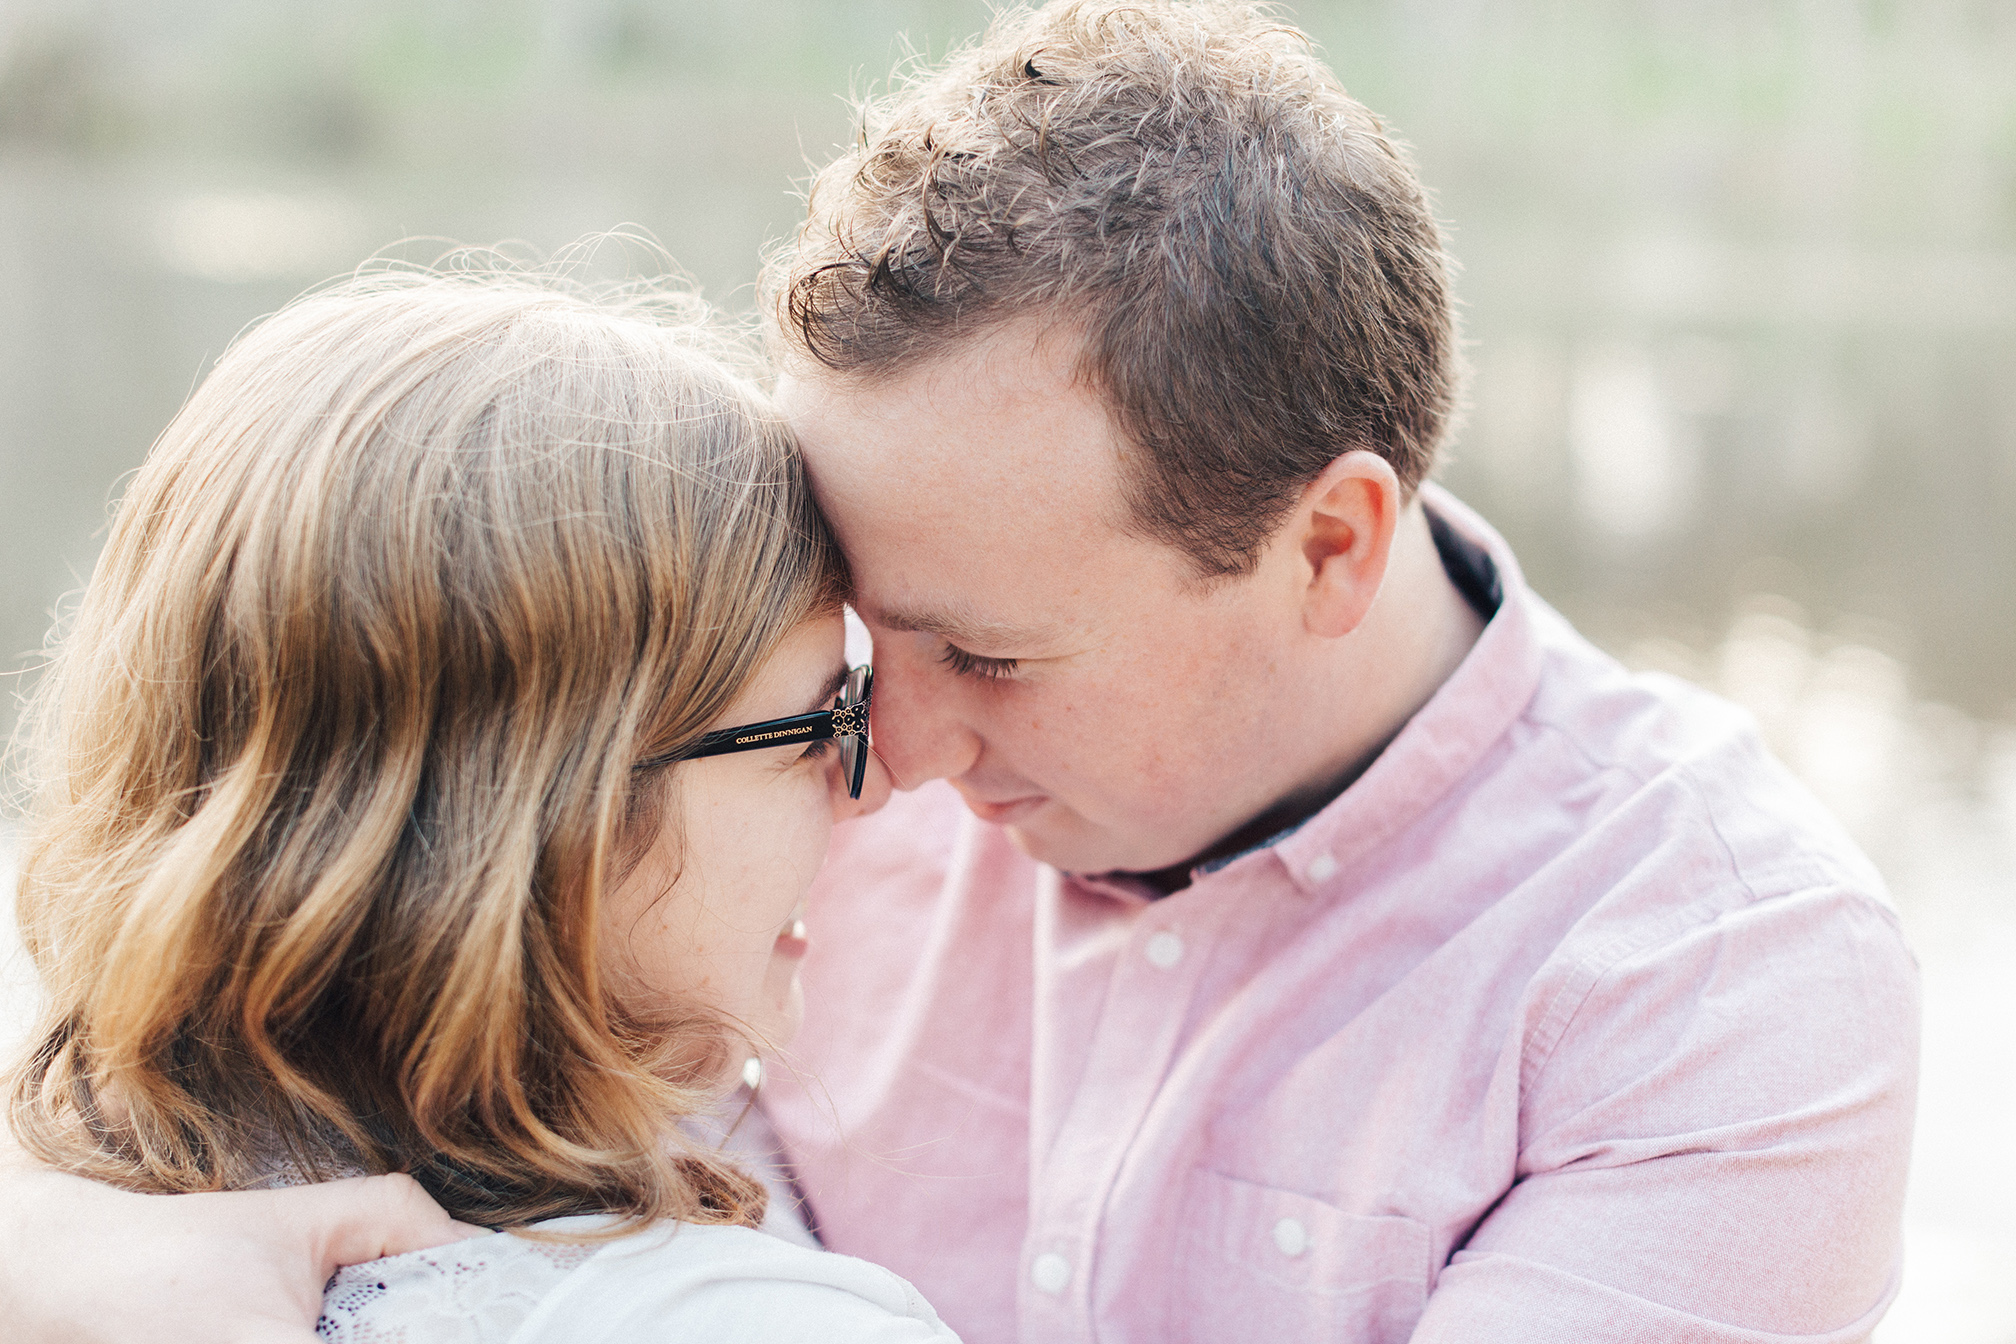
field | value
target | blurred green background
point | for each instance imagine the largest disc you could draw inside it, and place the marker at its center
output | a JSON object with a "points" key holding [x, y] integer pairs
{"points": [[1740, 286]]}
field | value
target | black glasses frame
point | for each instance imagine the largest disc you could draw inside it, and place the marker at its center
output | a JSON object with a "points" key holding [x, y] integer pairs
{"points": [[845, 723]]}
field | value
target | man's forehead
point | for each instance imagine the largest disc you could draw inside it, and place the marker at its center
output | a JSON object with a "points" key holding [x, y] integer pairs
{"points": [[978, 499], [1007, 412]]}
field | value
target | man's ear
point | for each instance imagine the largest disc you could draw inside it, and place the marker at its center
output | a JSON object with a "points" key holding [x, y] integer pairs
{"points": [[1348, 516]]}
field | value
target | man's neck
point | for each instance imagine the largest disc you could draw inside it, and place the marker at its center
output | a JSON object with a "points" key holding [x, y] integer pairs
{"points": [[1417, 634]]}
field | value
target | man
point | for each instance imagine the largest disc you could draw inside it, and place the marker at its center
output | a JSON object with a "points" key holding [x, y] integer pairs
{"points": [[1331, 944], [1339, 946]]}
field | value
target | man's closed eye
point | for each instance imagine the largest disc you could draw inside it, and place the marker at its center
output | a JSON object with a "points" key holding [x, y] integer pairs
{"points": [[966, 664]]}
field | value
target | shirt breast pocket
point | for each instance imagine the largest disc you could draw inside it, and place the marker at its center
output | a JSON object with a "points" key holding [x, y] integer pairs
{"points": [[1261, 1263]]}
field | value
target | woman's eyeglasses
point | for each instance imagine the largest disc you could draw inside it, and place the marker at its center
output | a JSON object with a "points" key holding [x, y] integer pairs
{"points": [[845, 723]]}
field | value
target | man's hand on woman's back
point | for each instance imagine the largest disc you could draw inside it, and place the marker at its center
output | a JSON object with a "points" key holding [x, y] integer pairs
{"points": [[82, 1263]]}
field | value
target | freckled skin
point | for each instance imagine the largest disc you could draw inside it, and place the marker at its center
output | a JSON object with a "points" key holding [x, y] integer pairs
{"points": [[1147, 716]]}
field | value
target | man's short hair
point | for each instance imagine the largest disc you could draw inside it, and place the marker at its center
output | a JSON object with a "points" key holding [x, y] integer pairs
{"points": [[1251, 259]]}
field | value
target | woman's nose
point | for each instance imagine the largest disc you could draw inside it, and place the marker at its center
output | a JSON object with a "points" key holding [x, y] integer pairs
{"points": [[875, 789]]}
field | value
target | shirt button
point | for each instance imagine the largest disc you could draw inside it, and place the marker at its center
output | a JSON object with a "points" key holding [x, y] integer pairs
{"points": [[1322, 868], [1164, 950], [1290, 1237], [1051, 1271]]}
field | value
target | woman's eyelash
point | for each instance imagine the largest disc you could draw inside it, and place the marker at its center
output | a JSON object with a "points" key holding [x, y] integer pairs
{"points": [[966, 664], [818, 748]]}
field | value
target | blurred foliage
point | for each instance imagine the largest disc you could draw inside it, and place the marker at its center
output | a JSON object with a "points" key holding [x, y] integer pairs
{"points": [[1894, 80], [1775, 240]]}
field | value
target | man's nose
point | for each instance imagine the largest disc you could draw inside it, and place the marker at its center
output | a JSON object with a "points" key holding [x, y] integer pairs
{"points": [[918, 728]]}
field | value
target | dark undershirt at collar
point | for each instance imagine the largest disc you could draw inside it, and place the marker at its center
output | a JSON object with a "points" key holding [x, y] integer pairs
{"points": [[1468, 565]]}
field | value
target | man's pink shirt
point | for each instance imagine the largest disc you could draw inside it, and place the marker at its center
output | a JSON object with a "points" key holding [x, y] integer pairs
{"points": [[1574, 1018]]}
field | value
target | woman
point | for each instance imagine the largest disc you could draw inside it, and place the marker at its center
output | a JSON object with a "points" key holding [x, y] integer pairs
{"points": [[446, 739]]}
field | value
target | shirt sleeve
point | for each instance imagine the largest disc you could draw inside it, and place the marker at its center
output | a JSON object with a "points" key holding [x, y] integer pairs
{"points": [[730, 1285], [1713, 1143]]}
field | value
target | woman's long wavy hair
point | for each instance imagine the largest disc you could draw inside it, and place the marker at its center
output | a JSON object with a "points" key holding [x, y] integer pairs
{"points": [[332, 775]]}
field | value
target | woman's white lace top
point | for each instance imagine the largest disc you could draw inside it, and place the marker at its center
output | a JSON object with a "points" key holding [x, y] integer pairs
{"points": [[671, 1282]]}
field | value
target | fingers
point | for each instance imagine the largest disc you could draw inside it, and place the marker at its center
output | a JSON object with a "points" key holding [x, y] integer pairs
{"points": [[371, 1216], [81, 1263], [84, 1264]]}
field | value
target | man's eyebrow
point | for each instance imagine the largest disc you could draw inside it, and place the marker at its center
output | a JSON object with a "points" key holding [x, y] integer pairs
{"points": [[962, 630]]}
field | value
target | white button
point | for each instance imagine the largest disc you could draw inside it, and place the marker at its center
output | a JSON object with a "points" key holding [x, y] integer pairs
{"points": [[1322, 868], [1290, 1237], [1051, 1272], [1164, 950]]}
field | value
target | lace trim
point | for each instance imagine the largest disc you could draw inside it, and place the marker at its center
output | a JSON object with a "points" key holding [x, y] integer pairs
{"points": [[470, 1292]]}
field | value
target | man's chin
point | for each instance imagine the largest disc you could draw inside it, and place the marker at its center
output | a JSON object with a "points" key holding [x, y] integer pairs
{"points": [[1066, 843]]}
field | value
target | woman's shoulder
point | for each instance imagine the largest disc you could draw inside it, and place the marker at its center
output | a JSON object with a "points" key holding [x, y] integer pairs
{"points": [[730, 1284], [477, 1291], [669, 1281]]}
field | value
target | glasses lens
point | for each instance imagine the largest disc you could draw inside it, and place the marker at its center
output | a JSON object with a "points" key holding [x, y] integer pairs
{"points": [[853, 764], [854, 747]]}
